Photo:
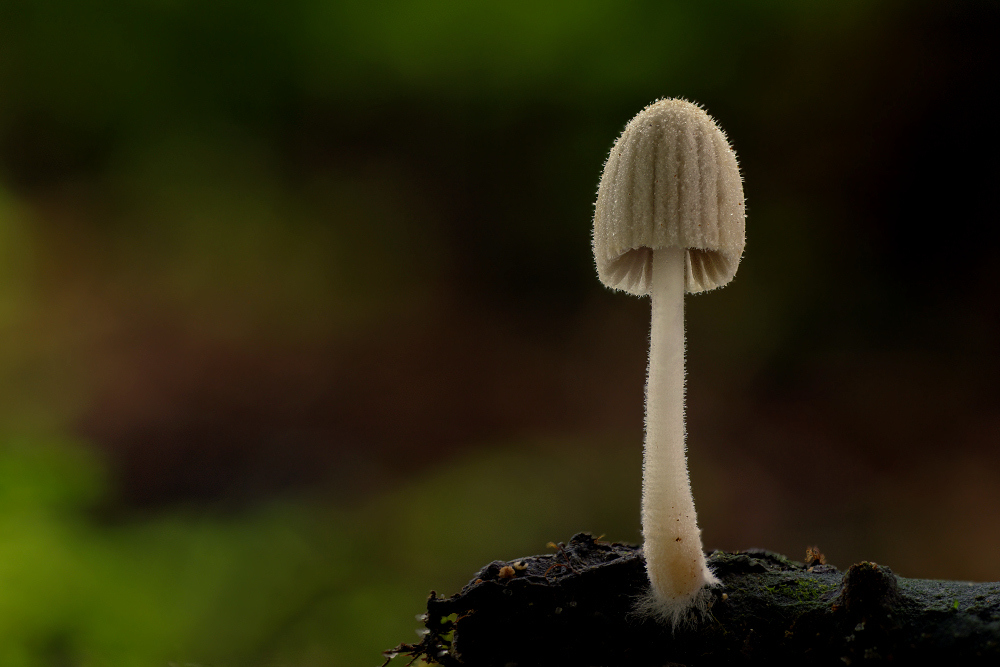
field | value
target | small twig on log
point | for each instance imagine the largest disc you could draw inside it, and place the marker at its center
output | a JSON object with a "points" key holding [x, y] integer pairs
{"points": [[562, 550]]}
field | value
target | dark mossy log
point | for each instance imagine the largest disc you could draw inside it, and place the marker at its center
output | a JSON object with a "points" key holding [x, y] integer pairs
{"points": [[577, 607]]}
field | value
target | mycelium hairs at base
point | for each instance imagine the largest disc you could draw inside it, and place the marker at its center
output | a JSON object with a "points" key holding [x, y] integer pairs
{"points": [[679, 613]]}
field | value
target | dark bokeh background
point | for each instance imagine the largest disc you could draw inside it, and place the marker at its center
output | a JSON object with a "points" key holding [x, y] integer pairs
{"points": [[299, 320]]}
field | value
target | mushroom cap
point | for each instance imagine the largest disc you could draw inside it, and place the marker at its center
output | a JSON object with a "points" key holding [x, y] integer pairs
{"points": [[671, 180]]}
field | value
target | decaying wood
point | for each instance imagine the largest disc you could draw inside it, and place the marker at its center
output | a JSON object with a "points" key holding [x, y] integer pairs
{"points": [[576, 607]]}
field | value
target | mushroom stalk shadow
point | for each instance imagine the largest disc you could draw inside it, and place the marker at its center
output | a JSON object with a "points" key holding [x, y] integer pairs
{"points": [[675, 562]]}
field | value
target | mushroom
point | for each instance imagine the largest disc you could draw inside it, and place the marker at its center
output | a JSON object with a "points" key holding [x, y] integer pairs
{"points": [[669, 218]]}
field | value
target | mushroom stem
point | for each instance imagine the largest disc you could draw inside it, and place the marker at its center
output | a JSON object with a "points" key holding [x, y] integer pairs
{"points": [[675, 561]]}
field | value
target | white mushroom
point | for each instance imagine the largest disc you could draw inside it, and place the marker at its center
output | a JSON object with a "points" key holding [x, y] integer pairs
{"points": [[669, 218]]}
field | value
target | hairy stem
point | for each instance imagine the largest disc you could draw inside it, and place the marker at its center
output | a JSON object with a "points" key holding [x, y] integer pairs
{"points": [[675, 560]]}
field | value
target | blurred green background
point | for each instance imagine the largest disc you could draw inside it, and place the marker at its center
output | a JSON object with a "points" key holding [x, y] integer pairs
{"points": [[299, 319]]}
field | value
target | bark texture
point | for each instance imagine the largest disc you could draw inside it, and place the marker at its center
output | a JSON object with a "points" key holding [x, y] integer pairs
{"points": [[577, 607]]}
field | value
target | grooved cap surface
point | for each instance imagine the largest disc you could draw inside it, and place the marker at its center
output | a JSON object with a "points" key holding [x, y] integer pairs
{"points": [[671, 180]]}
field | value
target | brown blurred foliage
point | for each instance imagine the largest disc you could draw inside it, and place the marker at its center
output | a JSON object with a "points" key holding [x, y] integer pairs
{"points": [[323, 245]]}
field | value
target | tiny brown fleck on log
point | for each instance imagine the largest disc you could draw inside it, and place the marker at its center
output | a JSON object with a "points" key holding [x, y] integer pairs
{"points": [[814, 556]]}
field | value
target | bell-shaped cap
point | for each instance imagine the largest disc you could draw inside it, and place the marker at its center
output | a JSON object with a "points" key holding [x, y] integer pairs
{"points": [[671, 181]]}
